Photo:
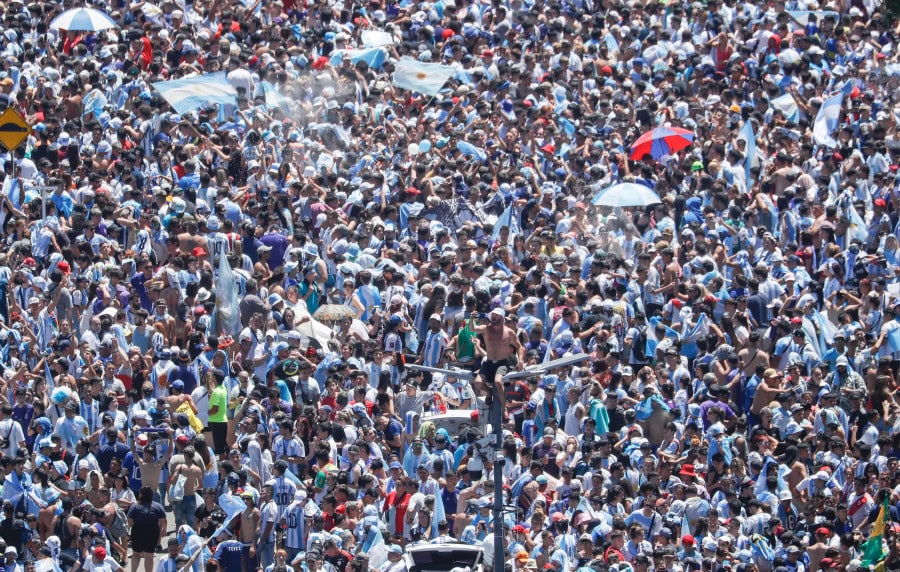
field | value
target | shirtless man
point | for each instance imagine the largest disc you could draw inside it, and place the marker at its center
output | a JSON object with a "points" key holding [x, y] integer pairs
{"points": [[162, 320], [179, 397], [766, 391], [798, 474], [753, 356], [184, 510], [150, 466], [816, 551], [249, 533], [500, 345], [67, 528]]}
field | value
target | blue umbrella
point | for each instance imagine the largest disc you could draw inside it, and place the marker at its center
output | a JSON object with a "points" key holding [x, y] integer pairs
{"points": [[83, 20], [626, 195]]}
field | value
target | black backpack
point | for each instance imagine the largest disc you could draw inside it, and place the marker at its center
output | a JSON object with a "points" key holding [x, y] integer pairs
{"points": [[639, 344]]}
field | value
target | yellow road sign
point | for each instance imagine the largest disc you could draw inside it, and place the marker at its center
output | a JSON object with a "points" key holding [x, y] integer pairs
{"points": [[14, 130]]}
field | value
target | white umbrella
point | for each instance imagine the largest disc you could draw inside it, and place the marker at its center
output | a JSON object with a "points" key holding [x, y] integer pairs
{"points": [[313, 329], [626, 195], [789, 56], [83, 20]]}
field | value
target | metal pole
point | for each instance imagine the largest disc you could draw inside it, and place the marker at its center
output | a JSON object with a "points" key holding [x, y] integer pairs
{"points": [[497, 422], [449, 373], [43, 190]]}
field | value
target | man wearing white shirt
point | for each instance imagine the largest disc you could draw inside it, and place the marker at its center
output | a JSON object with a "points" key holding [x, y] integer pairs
{"points": [[394, 562]]}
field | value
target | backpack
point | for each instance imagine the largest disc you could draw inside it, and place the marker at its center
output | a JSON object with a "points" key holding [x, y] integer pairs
{"points": [[4, 441], [638, 346]]}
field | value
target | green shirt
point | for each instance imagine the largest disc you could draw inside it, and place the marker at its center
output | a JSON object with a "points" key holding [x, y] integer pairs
{"points": [[219, 396], [466, 344]]}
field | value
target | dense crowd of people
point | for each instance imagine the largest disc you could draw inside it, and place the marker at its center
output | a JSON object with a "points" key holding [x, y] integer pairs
{"points": [[219, 313]]}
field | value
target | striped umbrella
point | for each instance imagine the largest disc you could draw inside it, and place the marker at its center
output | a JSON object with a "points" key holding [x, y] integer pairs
{"points": [[661, 141], [83, 20]]}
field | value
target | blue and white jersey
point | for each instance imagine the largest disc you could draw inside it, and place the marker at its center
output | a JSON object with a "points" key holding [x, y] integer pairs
{"points": [[91, 414], [289, 448], [268, 513], [216, 244], [435, 344], [167, 564], [370, 298], [294, 525], [283, 491]]}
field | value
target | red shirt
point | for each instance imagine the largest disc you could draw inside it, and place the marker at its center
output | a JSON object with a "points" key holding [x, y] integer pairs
{"points": [[400, 504]]}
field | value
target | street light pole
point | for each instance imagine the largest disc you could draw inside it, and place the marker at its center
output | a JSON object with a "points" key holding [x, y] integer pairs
{"points": [[497, 422], [449, 373]]}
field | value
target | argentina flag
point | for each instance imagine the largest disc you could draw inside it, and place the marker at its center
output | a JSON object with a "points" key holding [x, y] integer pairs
{"points": [[374, 57], [506, 220], [786, 104], [827, 120], [424, 78], [192, 93], [750, 149]]}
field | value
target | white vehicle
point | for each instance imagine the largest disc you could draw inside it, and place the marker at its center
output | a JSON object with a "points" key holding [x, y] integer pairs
{"points": [[444, 557], [456, 421]]}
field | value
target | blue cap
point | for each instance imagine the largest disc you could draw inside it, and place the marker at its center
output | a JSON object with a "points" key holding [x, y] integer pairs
{"points": [[395, 465], [45, 424]]}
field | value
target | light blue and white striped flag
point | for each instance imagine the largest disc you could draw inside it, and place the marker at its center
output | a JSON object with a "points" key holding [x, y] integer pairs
{"points": [[421, 77], [750, 149], [273, 98], [827, 120], [193, 93], [612, 45], [374, 57], [507, 219], [48, 375], [470, 150], [14, 490], [848, 86], [233, 506], [699, 330], [376, 38], [893, 340], [94, 102], [786, 104], [374, 547], [652, 342], [802, 16]]}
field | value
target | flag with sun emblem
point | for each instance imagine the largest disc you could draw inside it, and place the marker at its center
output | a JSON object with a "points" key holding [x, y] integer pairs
{"points": [[421, 77]]}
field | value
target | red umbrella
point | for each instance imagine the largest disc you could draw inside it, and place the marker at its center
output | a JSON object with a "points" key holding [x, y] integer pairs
{"points": [[661, 141]]}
